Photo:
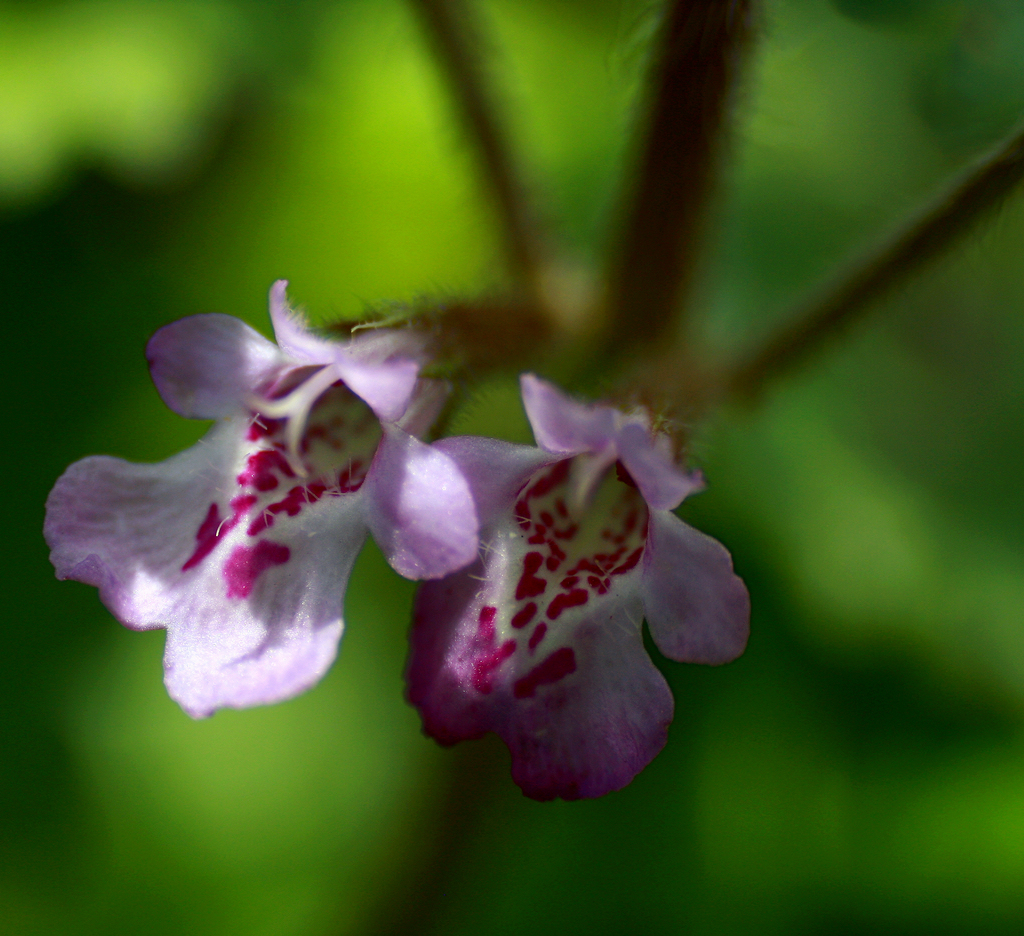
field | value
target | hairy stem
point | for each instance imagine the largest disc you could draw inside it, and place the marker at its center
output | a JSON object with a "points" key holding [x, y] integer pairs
{"points": [[693, 76], [931, 231], [457, 43]]}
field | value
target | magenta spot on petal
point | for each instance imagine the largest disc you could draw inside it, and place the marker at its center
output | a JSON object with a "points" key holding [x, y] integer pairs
{"points": [[260, 468], [560, 664], [556, 558], [553, 478], [483, 670], [261, 523], [263, 428], [530, 586], [248, 563], [240, 504], [630, 563], [351, 479], [206, 537], [213, 528], [537, 636], [486, 622], [578, 596], [524, 615]]}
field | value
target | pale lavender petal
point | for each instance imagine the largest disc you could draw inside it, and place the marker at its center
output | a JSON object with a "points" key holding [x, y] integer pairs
{"points": [[279, 638], [386, 387], [204, 366], [697, 608], [560, 423], [495, 470], [292, 333], [252, 617], [124, 528], [419, 508], [654, 470]]}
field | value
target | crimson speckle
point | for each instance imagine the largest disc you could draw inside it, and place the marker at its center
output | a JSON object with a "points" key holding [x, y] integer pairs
{"points": [[260, 468], [630, 563], [557, 666], [486, 629], [263, 428], [206, 537], [537, 636], [483, 670], [524, 615], [530, 586], [578, 596], [247, 563], [553, 478], [213, 528]]}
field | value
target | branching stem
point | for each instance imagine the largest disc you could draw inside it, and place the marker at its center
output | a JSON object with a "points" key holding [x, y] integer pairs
{"points": [[952, 215], [457, 42], [693, 77]]}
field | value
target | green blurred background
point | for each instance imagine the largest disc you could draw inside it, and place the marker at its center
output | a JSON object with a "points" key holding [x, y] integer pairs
{"points": [[860, 769]]}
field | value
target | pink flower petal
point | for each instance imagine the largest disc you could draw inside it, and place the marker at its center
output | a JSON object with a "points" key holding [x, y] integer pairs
{"points": [[697, 608], [561, 424], [419, 508], [663, 485], [251, 618], [204, 366]]}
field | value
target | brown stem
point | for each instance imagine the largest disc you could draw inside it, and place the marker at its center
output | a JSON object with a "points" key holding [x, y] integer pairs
{"points": [[475, 781], [693, 77], [457, 43], [933, 230]]}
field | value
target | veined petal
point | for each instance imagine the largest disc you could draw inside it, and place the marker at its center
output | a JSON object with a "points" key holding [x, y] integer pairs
{"points": [[697, 608], [654, 470], [495, 470], [560, 423], [419, 508], [204, 366], [292, 333], [248, 584]]}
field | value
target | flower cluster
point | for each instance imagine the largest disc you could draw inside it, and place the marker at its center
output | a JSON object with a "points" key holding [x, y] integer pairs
{"points": [[540, 563]]}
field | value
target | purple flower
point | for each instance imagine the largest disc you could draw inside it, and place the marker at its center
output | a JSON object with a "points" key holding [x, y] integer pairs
{"points": [[241, 547], [540, 639]]}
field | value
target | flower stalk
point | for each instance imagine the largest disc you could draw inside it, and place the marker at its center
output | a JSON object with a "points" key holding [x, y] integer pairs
{"points": [[935, 228], [457, 41], [692, 84]]}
